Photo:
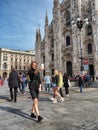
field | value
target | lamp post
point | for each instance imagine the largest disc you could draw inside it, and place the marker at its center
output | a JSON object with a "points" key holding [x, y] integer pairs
{"points": [[79, 24]]}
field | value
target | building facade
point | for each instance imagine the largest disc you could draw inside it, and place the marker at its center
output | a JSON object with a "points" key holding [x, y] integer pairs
{"points": [[20, 60], [64, 44]]}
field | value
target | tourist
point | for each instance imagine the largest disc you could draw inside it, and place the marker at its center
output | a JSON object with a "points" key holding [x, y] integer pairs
{"points": [[35, 88], [23, 82], [47, 82], [66, 84], [13, 82], [55, 86]]}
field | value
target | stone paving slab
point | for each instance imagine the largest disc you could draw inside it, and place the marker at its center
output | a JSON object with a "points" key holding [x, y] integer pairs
{"points": [[78, 112]]}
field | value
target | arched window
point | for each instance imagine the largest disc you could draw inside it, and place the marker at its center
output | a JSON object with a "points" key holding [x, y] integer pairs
{"points": [[20, 67], [67, 41], [5, 65], [89, 48], [67, 18], [89, 29], [16, 67], [24, 67]]}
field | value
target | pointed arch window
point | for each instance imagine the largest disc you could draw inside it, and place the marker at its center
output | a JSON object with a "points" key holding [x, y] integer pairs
{"points": [[89, 30], [89, 48], [52, 44], [67, 41], [67, 18]]}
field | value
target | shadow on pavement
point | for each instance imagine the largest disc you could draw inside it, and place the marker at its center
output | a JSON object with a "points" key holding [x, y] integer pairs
{"points": [[44, 99], [17, 112], [4, 97]]}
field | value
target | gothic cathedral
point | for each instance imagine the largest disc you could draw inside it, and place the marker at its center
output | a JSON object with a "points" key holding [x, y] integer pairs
{"points": [[67, 44]]}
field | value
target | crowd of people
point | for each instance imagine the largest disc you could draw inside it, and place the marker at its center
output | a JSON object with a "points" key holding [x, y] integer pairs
{"points": [[18, 82], [54, 84], [63, 81]]}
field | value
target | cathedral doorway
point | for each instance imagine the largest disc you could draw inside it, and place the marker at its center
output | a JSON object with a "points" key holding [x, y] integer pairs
{"points": [[91, 70], [69, 68]]}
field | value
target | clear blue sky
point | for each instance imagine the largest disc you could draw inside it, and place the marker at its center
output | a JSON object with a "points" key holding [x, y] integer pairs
{"points": [[19, 20]]}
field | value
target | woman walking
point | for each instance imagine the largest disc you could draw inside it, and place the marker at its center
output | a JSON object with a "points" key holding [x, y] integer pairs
{"points": [[35, 88], [55, 86]]}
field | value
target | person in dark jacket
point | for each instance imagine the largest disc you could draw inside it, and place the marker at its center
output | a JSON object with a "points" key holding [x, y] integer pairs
{"points": [[80, 82], [35, 88], [66, 84], [13, 82]]}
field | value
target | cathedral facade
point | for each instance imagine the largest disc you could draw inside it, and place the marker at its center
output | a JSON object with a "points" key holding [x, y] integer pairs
{"points": [[65, 46]]}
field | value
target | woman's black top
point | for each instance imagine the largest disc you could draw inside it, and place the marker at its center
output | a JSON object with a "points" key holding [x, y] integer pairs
{"points": [[35, 79], [55, 79]]}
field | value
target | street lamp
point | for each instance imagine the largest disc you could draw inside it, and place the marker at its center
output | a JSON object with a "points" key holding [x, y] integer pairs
{"points": [[79, 24]]}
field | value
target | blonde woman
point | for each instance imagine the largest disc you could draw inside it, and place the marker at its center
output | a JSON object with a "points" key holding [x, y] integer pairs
{"points": [[35, 88], [60, 84], [55, 81]]}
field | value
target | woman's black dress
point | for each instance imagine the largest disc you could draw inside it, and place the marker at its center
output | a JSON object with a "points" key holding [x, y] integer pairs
{"points": [[35, 80]]}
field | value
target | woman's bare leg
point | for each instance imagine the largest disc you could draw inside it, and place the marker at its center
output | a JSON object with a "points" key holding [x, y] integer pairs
{"points": [[58, 94], [35, 107]]}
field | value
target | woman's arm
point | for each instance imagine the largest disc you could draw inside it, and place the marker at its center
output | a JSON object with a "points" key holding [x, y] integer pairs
{"points": [[40, 87]]}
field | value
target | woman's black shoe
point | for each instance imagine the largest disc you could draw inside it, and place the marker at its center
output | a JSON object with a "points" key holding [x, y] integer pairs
{"points": [[15, 101], [33, 115], [10, 100], [40, 118]]}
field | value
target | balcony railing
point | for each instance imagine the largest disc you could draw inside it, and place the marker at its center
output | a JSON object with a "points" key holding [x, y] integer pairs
{"points": [[66, 49]]}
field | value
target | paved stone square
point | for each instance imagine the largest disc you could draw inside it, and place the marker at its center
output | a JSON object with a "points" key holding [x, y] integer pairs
{"points": [[79, 111]]}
